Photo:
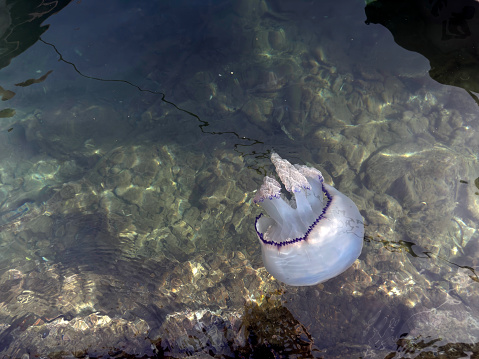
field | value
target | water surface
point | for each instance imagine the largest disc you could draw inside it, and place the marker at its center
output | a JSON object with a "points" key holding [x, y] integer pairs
{"points": [[133, 137]]}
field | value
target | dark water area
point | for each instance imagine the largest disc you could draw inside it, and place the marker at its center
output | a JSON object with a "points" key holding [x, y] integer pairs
{"points": [[134, 136]]}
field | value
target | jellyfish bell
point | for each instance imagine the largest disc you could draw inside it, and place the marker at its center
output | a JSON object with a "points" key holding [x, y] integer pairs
{"points": [[313, 237]]}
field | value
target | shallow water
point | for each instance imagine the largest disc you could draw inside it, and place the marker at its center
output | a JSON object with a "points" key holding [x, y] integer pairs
{"points": [[127, 175]]}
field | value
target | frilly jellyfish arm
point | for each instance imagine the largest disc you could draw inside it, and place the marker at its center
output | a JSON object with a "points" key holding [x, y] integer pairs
{"points": [[315, 236]]}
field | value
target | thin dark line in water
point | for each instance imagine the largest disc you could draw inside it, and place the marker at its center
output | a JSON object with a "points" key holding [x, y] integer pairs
{"points": [[202, 124]]}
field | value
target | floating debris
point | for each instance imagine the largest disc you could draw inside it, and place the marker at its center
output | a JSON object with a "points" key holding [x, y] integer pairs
{"points": [[7, 112], [34, 81]]}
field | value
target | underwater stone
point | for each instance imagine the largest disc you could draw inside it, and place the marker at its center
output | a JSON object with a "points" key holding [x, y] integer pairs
{"points": [[130, 194], [121, 179], [146, 173], [313, 237], [68, 191], [277, 39], [257, 111]]}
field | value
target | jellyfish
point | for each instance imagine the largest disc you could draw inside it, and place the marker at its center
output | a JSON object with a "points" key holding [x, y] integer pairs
{"points": [[315, 235]]}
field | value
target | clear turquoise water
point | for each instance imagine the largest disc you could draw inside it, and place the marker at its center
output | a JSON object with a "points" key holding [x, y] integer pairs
{"points": [[127, 176]]}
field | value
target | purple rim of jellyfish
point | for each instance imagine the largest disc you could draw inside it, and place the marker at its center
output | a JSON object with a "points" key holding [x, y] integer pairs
{"points": [[310, 228]]}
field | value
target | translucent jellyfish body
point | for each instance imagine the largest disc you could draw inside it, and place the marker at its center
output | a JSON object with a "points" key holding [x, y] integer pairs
{"points": [[314, 236]]}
